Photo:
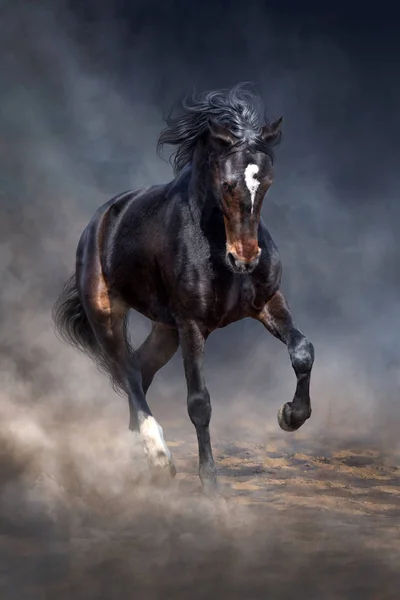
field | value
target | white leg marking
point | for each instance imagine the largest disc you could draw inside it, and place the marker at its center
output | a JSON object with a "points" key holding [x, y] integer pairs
{"points": [[153, 439], [251, 181]]}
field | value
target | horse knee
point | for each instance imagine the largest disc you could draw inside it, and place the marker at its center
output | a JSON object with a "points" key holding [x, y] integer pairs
{"points": [[199, 408], [302, 356]]}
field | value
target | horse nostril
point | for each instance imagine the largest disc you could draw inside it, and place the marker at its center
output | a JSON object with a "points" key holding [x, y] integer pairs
{"points": [[252, 265], [241, 265], [231, 259]]}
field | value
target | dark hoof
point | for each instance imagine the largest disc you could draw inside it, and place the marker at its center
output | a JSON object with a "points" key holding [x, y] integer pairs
{"points": [[290, 419], [172, 470], [210, 490], [208, 478]]}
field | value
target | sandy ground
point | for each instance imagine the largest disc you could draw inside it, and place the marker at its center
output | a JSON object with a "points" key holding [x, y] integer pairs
{"points": [[309, 519]]}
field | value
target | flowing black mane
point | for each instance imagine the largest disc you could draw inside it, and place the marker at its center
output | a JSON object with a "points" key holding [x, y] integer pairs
{"points": [[238, 109]]}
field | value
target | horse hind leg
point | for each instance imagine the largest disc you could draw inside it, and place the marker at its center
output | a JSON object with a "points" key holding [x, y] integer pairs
{"points": [[107, 317], [158, 348]]}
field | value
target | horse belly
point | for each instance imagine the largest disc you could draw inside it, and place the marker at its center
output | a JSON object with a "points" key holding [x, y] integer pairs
{"points": [[142, 290], [158, 314]]}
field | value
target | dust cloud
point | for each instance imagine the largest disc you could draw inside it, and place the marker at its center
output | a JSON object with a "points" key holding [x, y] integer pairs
{"points": [[80, 517]]}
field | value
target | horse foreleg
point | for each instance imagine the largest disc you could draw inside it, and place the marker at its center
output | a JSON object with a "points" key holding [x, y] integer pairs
{"points": [[192, 340], [277, 319]]}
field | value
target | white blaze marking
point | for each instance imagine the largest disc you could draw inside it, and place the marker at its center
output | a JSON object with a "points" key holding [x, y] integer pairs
{"points": [[251, 181], [153, 438]]}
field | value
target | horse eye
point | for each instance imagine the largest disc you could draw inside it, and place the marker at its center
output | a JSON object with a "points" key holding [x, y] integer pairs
{"points": [[229, 186]]}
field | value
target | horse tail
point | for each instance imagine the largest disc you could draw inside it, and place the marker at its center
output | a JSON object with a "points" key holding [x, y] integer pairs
{"points": [[73, 327], [71, 322]]}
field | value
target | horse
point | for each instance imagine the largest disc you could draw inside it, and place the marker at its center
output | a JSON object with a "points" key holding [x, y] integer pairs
{"points": [[193, 256]]}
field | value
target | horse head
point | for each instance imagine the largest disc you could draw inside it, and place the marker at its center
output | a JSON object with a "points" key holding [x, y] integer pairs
{"points": [[242, 173]]}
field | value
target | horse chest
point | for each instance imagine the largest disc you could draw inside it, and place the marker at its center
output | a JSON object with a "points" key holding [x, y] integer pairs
{"points": [[235, 302], [217, 298]]}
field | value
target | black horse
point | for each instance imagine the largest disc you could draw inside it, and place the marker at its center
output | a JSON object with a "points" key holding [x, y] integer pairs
{"points": [[192, 255]]}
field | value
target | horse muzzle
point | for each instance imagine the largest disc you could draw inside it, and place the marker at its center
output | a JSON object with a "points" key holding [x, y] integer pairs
{"points": [[241, 264]]}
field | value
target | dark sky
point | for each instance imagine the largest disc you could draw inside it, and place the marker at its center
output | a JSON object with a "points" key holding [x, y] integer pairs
{"points": [[366, 30]]}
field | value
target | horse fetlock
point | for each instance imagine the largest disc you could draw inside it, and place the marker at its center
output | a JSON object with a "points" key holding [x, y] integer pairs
{"points": [[155, 448], [291, 417], [208, 477]]}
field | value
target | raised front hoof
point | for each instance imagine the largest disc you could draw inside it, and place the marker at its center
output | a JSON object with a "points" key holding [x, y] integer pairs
{"points": [[161, 468], [291, 419]]}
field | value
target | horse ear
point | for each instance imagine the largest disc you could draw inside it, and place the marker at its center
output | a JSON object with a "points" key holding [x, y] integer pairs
{"points": [[221, 134], [272, 133]]}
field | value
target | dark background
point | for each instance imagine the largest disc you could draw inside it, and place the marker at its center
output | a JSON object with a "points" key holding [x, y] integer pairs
{"points": [[84, 86]]}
